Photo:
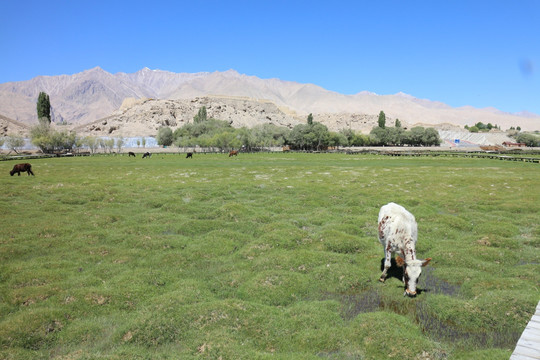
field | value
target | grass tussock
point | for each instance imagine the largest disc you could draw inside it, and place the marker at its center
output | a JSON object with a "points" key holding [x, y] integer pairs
{"points": [[263, 256]]}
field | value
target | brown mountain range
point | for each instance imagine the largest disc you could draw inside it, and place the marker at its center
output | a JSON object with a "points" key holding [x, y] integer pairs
{"points": [[155, 98]]}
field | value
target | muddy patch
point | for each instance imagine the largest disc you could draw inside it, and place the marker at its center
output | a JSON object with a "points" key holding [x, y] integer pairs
{"points": [[450, 332], [373, 300], [428, 282]]}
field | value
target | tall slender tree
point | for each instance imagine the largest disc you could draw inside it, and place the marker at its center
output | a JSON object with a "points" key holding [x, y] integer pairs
{"points": [[310, 119], [44, 107], [201, 115], [382, 120]]}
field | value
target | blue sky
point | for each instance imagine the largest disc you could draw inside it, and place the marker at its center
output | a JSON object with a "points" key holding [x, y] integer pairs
{"points": [[477, 53]]}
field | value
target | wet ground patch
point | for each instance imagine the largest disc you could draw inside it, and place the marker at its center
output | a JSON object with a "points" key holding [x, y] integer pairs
{"points": [[432, 284], [439, 330], [374, 299]]}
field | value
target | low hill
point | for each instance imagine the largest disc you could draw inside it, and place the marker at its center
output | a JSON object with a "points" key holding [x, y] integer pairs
{"points": [[143, 117], [12, 127]]}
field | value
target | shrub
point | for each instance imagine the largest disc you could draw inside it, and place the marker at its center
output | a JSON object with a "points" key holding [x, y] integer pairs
{"points": [[164, 136], [528, 139]]}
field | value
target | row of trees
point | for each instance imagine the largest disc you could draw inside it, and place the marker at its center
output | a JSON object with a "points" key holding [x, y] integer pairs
{"points": [[313, 135], [51, 141], [481, 127], [60, 141], [398, 136], [213, 133], [220, 134]]}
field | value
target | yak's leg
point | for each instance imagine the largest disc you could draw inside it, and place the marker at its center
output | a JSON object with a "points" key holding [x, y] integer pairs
{"points": [[387, 264]]}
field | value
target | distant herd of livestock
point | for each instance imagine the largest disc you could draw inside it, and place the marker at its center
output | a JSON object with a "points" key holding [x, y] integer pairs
{"points": [[26, 167], [189, 155]]}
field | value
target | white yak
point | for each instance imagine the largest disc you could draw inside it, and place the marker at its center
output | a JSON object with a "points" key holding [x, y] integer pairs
{"points": [[398, 233]]}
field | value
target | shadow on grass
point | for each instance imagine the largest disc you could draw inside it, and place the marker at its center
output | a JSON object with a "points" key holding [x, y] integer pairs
{"points": [[394, 271]]}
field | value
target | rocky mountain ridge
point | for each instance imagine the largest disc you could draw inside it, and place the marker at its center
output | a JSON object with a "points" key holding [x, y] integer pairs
{"points": [[95, 94]]}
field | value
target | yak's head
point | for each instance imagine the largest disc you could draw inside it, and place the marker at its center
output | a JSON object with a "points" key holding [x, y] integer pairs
{"points": [[412, 270]]}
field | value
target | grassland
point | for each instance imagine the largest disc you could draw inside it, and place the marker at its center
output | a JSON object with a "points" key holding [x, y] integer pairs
{"points": [[263, 256]]}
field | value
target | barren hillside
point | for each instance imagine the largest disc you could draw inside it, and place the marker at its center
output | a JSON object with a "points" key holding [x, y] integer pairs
{"points": [[143, 117], [91, 95], [12, 127]]}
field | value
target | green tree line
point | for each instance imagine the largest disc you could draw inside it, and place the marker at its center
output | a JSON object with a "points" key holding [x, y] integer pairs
{"points": [[481, 127], [311, 136]]}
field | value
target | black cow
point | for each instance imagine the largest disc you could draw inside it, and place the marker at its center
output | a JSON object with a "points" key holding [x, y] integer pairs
{"points": [[189, 155], [131, 153], [146, 154], [26, 167]]}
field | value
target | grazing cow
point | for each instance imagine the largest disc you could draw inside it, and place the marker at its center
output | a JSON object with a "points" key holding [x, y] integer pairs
{"points": [[22, 167], [233, 153], [146, 154], [131, 153], [398, 233], [189, 155]]}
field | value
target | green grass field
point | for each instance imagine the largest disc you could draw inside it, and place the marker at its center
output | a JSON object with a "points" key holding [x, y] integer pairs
{"points": [[263, 256]]}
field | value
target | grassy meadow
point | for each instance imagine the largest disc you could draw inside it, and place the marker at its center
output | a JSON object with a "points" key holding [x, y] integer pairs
{"points": [[263, 256]]}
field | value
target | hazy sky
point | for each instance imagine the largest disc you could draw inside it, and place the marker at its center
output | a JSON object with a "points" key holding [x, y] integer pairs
{"points": [[463, 52]]}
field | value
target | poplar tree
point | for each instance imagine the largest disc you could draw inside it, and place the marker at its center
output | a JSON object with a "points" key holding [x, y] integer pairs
{"points": [[382, 120], [44, 107], [201, 115]]}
